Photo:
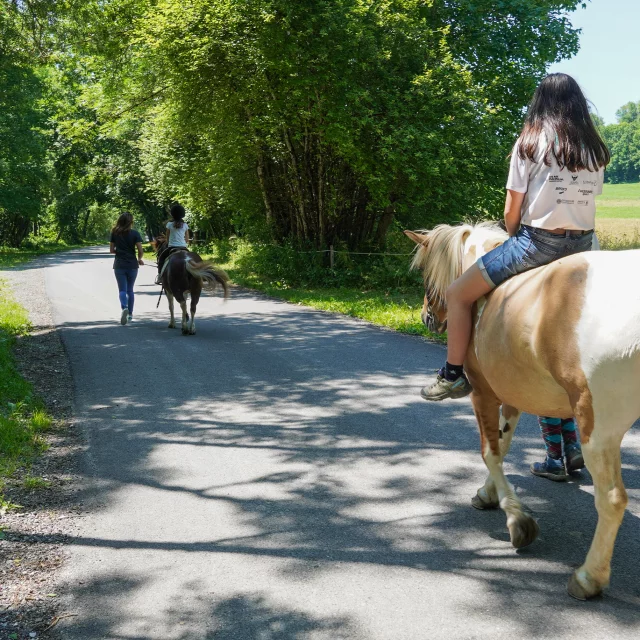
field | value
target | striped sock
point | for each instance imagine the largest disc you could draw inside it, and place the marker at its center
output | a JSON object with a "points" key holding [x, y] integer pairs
{"points": [[551, 429]]}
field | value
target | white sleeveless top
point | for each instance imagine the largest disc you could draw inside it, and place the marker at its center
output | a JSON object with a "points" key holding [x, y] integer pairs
{"points": [[176, 239], [554, 198]]}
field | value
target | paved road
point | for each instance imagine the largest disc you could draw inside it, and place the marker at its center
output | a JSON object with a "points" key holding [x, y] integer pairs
{"points": [[276, 476]]}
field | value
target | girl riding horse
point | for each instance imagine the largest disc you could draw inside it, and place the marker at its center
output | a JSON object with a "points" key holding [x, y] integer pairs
{"points": [[556, 171], [176, 238]]}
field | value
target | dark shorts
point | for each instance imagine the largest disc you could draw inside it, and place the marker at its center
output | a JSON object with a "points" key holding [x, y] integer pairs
{"points": [[529, 249]]}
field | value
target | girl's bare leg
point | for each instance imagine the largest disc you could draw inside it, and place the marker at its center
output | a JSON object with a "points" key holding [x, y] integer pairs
{"points": [[460, 298]]}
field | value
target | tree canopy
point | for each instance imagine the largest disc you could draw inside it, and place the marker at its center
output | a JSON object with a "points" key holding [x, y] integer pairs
{"points": [[315, 123], [623, 140]]}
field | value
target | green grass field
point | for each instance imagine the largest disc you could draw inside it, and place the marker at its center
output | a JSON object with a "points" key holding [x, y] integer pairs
{"points": [[618, 216], [619, 201]]}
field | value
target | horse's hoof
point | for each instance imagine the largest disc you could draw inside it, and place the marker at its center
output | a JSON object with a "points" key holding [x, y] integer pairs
{"points": [[185, 332], [477, 502], [172, 325], [523, 530], [576, 589]]}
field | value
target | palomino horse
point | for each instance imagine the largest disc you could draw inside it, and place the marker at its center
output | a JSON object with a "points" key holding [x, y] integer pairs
{"points": [[185, 272], [559, 341]]}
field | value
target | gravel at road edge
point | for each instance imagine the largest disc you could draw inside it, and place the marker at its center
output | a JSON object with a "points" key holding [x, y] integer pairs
{"points": [[33, 547]]}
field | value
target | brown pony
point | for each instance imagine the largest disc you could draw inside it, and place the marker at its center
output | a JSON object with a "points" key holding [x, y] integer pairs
{"points": [[186, 272]]}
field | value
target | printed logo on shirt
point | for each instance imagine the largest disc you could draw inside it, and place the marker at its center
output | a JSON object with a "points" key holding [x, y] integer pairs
{"points": [[574, 180], [560, 201], [583, 203], [561, 190], [555, 179], [593, 183], [585, 192]]}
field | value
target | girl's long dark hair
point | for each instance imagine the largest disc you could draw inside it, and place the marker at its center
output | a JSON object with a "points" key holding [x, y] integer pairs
{"points": [[177, 213], [124, 224], [559, 110]]}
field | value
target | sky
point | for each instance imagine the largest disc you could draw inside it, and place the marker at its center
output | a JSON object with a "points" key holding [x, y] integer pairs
{"points": [[607, 67]]}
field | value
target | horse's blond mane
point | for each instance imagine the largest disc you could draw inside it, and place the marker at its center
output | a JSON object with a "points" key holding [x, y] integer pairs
{"points": [[440, 258]]}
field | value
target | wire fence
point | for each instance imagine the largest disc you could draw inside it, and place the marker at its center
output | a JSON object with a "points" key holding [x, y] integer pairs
{"points": [[332, 253]]}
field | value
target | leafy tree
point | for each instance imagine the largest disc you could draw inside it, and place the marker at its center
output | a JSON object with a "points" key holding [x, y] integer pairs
{"points": [[623, 140], [629, 113], [322, 121], [23, 177]]}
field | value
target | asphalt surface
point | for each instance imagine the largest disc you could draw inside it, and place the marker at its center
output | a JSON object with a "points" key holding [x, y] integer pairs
{"points": [[277, 476]]}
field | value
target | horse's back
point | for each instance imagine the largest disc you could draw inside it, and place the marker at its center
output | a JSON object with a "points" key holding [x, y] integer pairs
{"points": [[570, 320]]}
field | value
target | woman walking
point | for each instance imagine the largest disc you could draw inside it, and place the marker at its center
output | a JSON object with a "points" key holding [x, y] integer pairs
{"points": [[556, 170], [125, 242]]}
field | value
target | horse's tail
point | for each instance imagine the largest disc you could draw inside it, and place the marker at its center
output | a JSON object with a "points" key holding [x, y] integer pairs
{"points": [[209, 274]]}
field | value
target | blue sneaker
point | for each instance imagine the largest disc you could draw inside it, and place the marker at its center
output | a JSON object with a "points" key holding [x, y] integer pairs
{"points": [[551, 469], [573, 456]]}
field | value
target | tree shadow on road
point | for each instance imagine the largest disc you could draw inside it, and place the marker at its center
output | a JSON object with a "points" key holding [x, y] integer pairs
{"points": [[367, 474]]}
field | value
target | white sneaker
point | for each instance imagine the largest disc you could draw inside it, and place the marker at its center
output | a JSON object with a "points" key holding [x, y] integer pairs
{"points": [[129, 319], [123, 316]]}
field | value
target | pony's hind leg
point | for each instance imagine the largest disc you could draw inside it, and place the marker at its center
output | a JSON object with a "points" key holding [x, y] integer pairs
{"points": [[487, 496], [523, 529], [196, 290], [172, 321], [185, 316], [603, 462]]}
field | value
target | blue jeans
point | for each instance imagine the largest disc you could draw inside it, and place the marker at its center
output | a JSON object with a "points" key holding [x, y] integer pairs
{"points": [[528, 249], [126, 279]]}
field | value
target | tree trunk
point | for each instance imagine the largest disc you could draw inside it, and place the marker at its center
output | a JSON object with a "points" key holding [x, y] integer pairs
{"points": [[263, 188], [383, 225], [85, 224]]}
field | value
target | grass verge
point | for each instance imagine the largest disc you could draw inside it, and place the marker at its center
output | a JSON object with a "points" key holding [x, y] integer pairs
{"points": [[22, 419], [385, 299], [395, 308], [10, 257]]}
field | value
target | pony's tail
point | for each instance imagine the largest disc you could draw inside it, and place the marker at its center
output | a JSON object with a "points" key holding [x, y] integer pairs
{"points": [[209, 274]]}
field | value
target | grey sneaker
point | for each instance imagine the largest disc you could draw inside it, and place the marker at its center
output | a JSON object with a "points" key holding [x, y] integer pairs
{"points": [[442, 388], [123, 316], [573, 456], [551, 469]]}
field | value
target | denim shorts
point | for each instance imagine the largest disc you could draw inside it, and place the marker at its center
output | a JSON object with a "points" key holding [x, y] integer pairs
{"points": [[528, 249]]}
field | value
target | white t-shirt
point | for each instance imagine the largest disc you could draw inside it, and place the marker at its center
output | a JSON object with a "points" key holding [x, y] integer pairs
{"points": [[554, 198], [176, 239]]}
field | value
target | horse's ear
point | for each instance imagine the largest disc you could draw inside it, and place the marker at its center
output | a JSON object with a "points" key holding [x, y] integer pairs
{"points": [[418, 238]]}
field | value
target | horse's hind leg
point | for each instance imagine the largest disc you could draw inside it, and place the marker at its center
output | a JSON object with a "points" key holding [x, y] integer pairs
{"points": [[185, 316], [487, 496], [523, 529], [602, 457], [195, 297], [172, 321]]}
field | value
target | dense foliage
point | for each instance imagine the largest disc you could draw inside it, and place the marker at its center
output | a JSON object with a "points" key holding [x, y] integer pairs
{"points": [[305, 123], [623, 140]]}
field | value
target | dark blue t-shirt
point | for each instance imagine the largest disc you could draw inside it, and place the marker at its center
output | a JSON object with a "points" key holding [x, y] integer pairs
{"points": [[126, 249]]}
